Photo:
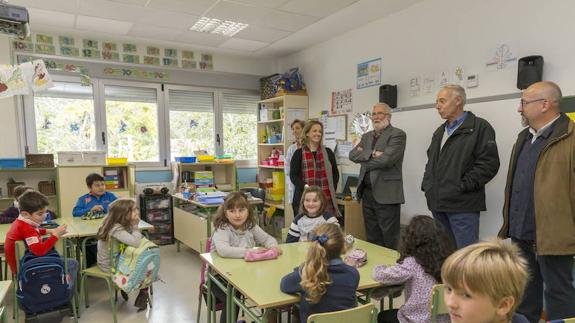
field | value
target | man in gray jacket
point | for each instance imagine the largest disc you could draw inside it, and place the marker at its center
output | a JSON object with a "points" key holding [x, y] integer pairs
{"points": [[380, 153]]}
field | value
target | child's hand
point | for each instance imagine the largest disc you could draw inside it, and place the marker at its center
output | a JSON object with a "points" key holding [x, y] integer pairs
{"points": [[60, 231], [97, 208]]}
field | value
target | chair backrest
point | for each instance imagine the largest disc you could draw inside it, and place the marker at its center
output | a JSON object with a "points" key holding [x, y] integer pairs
{"points": [[437, 302], [571, 320], [284, 234], [205, 245], [19, 250], [255, 192], [362, 314]]}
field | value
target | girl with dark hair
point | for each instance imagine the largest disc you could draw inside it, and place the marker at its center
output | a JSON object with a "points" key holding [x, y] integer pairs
{"points": [[423, 248]]}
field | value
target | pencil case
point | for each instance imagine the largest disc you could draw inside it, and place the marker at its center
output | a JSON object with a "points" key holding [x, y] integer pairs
{"points": [[260, 254]]}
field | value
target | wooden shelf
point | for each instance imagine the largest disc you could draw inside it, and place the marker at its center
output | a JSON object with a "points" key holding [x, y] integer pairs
{"points": [[276, 99], [271, 145], [271, 121], [16, 170], [271, 167], [277, 205]]}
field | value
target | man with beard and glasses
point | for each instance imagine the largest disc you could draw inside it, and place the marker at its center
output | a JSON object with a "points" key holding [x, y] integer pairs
{"points": [[539, 209], [462, 159], [380, 153]]}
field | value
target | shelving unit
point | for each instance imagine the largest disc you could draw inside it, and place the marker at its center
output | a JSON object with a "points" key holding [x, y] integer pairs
{"points": [[71, 183], [290, 107], [157, 210], [30, 177], [224, 174]]}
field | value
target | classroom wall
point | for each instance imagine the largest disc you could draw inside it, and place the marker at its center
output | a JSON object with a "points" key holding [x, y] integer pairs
{"points": [[437, 35]]}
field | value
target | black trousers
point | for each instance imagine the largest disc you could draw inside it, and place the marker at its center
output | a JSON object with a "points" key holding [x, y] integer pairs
{"points": [[389, 316], [550, 277], [381, 220]]}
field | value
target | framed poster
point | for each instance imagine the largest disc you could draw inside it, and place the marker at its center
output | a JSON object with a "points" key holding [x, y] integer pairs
{"points": [[369, 73]]}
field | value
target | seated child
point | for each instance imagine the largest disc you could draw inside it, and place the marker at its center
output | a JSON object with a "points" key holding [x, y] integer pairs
{"points": [[422, 249], [13, 211], [121, 223], [325, 283], [236, 231], [484, 282], [97, 200], [33, 206], [312, 213]]}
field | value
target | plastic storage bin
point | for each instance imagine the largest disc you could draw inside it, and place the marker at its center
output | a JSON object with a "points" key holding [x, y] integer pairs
{"points": [[11, 163], [188, 160], [94, 157], [70, 158], [206, 158], [117, 161]]}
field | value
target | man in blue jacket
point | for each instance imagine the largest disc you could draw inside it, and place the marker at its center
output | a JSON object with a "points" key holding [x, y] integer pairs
{"points": [[462, 158]]}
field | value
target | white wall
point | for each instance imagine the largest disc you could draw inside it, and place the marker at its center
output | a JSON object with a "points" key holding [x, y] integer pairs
{"points": [[9, 132], [437, 35]]}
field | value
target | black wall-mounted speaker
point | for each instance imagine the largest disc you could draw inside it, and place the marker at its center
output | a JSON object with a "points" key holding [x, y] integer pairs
{"points": [[388, 95], [529, 71]]}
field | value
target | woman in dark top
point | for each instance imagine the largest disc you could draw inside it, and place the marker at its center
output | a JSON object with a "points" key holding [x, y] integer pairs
{"points": [[314, 165]]}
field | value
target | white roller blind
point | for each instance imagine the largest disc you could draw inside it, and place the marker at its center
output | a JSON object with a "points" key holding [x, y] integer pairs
{"points": [[130, 94], [67, 90], [240, 103], [181, 100]]}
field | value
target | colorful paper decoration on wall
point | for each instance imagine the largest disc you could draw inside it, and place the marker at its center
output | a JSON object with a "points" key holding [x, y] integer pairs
{"points": [[136, 73], [20, 79], [66, 41], [129, 48], [154, 51]]}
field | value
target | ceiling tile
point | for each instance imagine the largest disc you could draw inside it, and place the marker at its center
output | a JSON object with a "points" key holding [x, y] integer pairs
{"points": [[243, 44], [264, 3], [132, 2], [316, 8], [153, 32], [167, 19], [286, 21], [52, 5], [51, 18], [237, 12], [103, 25], [262, 34], [196, 7], [203, 39], [110, 10]]}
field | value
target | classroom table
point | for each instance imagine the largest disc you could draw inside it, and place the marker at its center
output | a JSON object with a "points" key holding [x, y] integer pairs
{"points": [[4, 288], [260, 281]]}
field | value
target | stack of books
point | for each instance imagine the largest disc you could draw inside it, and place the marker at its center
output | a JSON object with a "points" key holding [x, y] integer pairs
{"points": [[204, 179], [111, 179]]}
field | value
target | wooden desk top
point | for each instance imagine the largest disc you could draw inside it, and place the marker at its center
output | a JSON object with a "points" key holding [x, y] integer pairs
{"points": [[260, 281]]}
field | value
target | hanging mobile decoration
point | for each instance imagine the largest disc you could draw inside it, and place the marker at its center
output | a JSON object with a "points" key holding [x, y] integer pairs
{"points": [[143, 129], [47, 124], [123, 126], [193, 123], [74, 128]]}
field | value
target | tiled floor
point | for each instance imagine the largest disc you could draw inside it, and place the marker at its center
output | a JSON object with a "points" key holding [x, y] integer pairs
{"points": [[175, 299]]}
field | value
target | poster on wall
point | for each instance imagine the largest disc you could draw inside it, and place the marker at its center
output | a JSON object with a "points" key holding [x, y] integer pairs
{"points": [[428, 84], [369, 73], [341, 102], [458, 75], [414, 86]]}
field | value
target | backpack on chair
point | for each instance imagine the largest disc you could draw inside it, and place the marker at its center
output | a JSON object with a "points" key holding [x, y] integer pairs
{"points": [[43, 283], [137, 268]]}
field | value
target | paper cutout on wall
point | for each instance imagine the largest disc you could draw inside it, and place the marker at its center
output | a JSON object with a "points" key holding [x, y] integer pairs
{"points": [[41, 79], [12, 81]]}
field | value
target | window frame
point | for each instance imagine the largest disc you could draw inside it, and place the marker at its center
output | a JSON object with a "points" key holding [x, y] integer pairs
{"points": [[162, 91]]}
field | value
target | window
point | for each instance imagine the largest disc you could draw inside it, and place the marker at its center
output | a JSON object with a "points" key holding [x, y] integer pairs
{"points": [[240, 121], [192, 124], [64, 118], [132, 123]]}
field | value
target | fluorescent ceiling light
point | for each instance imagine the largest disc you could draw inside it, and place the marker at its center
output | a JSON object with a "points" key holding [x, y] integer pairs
{"points": [[218, 27]]}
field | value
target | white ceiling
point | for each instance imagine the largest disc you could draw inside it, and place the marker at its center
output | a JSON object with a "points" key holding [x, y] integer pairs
{"points": [[276, 27]]}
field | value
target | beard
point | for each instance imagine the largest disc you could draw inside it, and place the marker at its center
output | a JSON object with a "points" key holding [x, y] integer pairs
{"points": [[524, 121], [381, 124]]}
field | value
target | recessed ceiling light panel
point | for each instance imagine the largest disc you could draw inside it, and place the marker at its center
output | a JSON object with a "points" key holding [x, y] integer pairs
{"points": [[218, 27]]}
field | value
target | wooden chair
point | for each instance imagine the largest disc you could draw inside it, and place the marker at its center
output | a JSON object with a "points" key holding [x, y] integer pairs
{"points": [[205, 245], [19, 250], [437, 306], [362, 314]]}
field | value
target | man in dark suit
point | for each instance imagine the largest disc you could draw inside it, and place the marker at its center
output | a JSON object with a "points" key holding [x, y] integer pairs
{"points": [[380, 153]]}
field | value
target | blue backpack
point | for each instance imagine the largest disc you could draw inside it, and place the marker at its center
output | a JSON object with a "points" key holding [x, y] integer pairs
{"points": [[42, 283]]}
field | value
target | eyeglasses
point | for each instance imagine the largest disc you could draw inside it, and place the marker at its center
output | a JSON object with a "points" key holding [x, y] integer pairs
{"points": [[380, 114], [523, 103]]}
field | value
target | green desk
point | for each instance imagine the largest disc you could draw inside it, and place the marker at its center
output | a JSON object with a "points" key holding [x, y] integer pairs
{"points": [[4, 288], [260, 281]]}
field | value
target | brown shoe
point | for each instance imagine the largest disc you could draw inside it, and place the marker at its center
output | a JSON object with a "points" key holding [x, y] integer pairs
{"points": [[142, 300]]}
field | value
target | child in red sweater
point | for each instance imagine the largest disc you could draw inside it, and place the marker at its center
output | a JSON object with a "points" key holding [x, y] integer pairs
{"points": [[33, 208]]}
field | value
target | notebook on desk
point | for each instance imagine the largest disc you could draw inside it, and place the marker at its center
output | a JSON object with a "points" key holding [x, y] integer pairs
{"points": [[349, 187]]}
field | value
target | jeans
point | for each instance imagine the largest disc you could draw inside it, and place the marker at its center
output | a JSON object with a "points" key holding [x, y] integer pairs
{"points": [[462, 227]]}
